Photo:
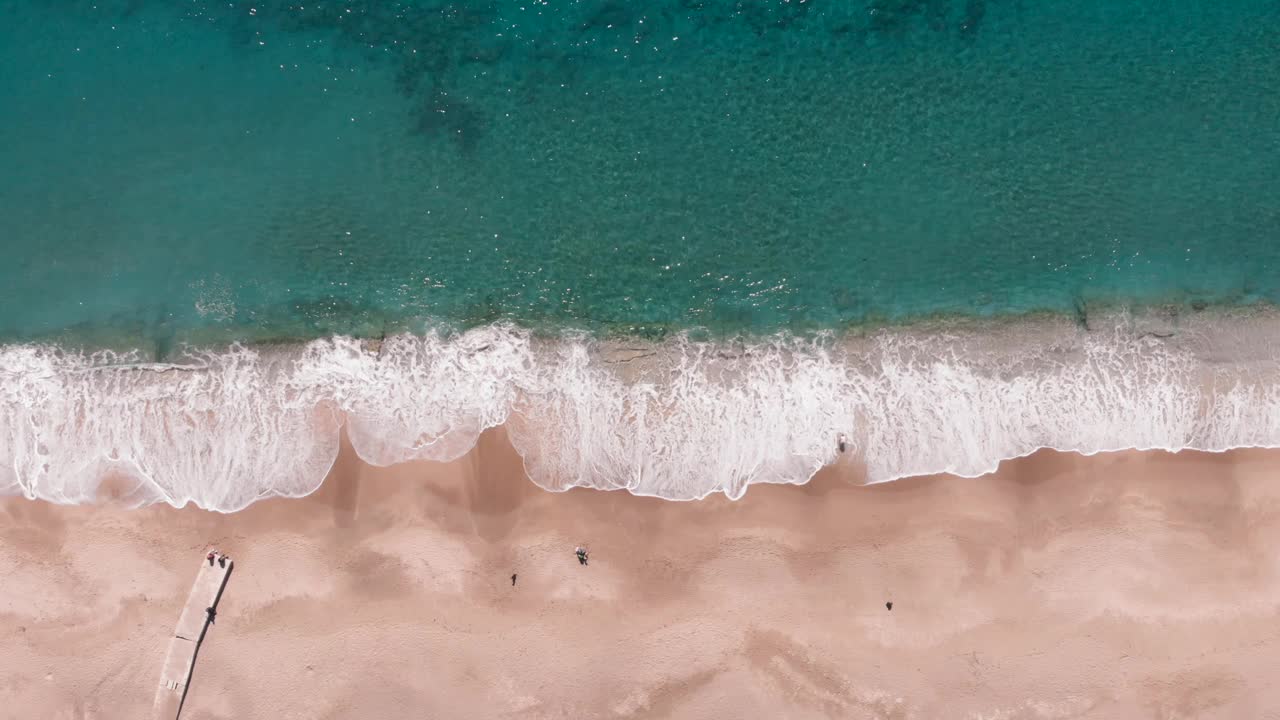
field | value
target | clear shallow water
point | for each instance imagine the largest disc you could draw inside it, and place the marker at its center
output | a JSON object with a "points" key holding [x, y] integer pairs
{"points": [[269, 169], [748, 174]]}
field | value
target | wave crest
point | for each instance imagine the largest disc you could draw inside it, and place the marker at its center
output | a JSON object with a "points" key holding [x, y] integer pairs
{"points": [[678, 420]]}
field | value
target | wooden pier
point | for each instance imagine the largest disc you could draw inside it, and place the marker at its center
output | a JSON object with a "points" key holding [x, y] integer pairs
{"points": [[193, 623]]}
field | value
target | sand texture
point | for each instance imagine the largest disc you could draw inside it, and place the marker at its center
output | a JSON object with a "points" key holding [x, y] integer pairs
{"points": [[1128, 585]]}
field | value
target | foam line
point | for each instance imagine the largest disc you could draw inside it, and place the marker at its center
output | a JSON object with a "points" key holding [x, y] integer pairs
{"points": [[678, 420]]}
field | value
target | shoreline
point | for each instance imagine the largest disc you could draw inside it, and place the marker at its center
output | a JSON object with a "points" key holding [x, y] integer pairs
{"points": [[1121, 585], [679, 420]]}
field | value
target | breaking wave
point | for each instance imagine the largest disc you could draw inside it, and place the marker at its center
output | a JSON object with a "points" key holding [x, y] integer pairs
{"points": [[679, 419]]}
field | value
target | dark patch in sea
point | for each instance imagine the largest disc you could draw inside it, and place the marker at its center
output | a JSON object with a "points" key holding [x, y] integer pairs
{"points": [[1081, 312], [892, 16], [897, 17], [609, 15], [433, 47], [442, 115], [762, 17], [974, 11]]}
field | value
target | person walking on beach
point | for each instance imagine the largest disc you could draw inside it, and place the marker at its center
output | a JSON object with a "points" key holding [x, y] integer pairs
{"points": [[222, 561], [210, 558], [581, 552], [513, 579], [212, 614]]}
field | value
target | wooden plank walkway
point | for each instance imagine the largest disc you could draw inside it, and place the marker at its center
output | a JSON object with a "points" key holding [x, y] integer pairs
{"points": [[193, 623]]}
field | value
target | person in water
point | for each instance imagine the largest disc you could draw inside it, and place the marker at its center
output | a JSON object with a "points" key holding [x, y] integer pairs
{"points": [[582, 555], [841, 444]]}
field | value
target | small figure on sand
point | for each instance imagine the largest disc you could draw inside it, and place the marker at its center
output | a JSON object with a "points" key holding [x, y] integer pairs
{"points": [[581, 552], [889, 606], [210, 558], [212, 614], [222, 561], [841, 443], [513, 579]]}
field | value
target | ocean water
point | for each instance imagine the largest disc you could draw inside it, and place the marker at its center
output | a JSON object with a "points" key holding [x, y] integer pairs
{"points": [[513, 193]]}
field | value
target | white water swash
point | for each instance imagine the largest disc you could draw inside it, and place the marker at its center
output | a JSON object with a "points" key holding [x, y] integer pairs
{"points": [[678, 419]]}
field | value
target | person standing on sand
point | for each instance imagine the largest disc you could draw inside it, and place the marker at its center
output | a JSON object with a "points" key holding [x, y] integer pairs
{"points": [[513, 579], [581, 552]]}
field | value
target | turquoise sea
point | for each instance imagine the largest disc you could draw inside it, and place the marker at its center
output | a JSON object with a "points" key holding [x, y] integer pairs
{"points": [[285, 169], [475, 179]]}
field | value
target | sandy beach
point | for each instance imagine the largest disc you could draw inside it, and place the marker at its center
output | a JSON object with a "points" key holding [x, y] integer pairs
{"points": [[1125, 585]]}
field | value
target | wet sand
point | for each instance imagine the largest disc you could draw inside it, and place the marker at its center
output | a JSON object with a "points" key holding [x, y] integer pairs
{"points": [[1125, 585]]}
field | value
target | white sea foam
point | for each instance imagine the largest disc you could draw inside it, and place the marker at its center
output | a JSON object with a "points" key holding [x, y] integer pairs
{"points": [[678, 420]]}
